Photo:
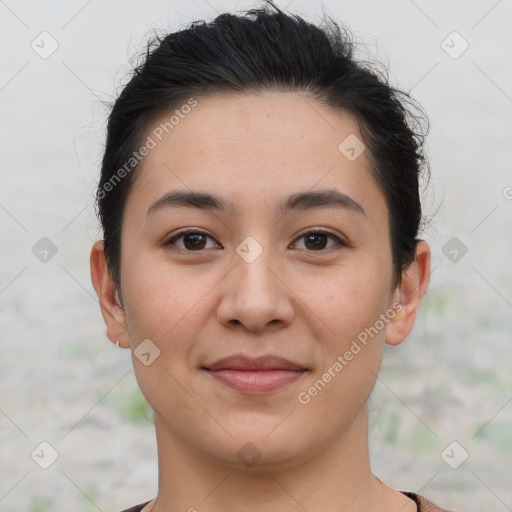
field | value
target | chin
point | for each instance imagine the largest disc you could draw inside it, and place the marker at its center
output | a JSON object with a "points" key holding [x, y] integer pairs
{"points": [[261, 451]]}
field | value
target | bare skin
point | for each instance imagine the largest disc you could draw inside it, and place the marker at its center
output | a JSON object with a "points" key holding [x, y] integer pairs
{"points": [[301, 301]]}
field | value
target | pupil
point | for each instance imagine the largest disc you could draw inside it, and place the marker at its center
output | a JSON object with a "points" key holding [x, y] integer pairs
{"points": [[311, 237], [197, 237]]}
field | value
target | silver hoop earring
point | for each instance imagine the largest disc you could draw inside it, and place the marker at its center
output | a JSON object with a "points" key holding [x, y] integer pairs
{"points": [[117, 343]]}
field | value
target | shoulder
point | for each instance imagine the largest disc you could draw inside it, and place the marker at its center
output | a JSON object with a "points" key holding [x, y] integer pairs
{"points": [[136, 508], [425, 505]]}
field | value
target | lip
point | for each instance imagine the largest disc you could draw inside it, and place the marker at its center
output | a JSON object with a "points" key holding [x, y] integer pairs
{"points": [[245, 363], [259, 375]]}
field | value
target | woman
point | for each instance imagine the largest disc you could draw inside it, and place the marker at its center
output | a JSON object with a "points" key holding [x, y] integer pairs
{"points": [[260, 208]]}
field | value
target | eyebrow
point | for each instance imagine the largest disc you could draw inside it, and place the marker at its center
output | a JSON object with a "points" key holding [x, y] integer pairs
{"points": [[328, 198]]}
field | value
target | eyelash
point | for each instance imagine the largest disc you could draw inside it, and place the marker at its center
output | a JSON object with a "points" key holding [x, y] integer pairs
{"points": [[181, 234]]}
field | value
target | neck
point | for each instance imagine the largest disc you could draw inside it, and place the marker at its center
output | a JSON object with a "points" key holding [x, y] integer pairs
{"points": [[337, 477]]}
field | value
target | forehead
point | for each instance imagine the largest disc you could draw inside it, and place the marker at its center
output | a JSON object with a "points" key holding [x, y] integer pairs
{"points": [[288, 124], [257, 148]]}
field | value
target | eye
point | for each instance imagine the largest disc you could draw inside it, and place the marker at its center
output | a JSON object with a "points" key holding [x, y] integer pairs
{"points": [[316, 239], [193, 240]]}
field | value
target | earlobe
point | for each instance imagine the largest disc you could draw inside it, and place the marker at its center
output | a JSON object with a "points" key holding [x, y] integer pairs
{"points": [[110, 304], [408, 294]]}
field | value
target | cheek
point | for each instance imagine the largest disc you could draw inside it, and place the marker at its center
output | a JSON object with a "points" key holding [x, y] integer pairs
{"points": [[164, 302], [346, 298], [351, 349], [154, 301], [350, 305]]}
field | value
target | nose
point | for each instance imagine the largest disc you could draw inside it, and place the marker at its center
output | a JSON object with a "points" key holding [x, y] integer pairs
{"points": [[255, 296]]}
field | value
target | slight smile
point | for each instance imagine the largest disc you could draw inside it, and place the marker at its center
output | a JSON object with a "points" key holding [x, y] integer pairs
{"points": [[255, 375]]}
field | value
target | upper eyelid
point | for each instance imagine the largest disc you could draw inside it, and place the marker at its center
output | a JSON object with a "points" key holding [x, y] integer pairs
{"points": [[180, 234]]}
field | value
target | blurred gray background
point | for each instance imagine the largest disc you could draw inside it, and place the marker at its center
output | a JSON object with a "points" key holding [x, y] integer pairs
{"points": [[441, 413]]}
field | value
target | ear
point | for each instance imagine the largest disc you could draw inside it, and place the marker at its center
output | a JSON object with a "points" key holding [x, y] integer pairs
{"points": [[105, 288], [408, 294]]}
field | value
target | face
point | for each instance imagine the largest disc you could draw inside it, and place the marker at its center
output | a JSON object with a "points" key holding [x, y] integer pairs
{"points": [[248, 280]]}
